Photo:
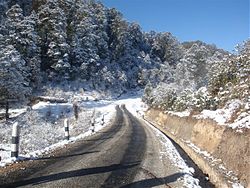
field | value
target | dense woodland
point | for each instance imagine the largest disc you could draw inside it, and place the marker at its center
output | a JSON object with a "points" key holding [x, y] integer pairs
{"points": [[44, 41]]}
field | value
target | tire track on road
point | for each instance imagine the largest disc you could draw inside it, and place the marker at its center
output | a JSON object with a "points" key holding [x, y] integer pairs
{"points": [[134, 152]]}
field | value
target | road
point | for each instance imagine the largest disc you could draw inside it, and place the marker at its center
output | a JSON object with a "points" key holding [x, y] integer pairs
{"points": [[124, 154]]}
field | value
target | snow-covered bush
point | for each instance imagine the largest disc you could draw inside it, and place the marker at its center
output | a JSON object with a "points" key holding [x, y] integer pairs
{"points": [[147, 98], [195, 100], [230, 81], [232, 78], [168, 97], [162, 97], [202, 100], [183, 100]]}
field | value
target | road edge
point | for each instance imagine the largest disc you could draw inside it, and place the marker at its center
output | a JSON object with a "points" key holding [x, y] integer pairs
{"points": [[214, 176]]}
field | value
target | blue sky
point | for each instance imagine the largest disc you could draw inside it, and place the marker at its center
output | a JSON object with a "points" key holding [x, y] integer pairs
{"points": [[221, 22]]}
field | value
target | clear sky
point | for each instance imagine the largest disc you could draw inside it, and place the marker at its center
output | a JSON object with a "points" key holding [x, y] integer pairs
{"points": [[221, 22]]}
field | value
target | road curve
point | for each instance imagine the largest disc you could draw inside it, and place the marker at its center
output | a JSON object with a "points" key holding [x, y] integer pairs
{"points": [[125, 154]]}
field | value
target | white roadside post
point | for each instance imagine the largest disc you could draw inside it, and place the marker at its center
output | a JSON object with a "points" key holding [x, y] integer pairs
{"points": [[102, 123], [93, 124], [15, 140], [66, 129]]}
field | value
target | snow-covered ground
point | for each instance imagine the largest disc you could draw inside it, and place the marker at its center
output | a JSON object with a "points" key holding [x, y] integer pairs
{"points": [[235, 114], [171, 153], [14, 112], [42, 128], [226, 116]]}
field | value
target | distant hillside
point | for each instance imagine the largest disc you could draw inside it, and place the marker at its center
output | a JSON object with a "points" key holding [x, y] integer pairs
{"points": [[225, 98], [54, 40]]}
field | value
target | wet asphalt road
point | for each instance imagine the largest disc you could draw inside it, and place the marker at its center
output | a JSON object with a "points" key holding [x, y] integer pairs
{"points": [[125, 154]]}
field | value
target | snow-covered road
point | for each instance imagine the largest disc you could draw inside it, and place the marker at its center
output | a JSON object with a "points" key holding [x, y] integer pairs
{"points": [[81, 129]]}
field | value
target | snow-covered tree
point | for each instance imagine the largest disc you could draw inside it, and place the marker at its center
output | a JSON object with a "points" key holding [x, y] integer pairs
{"points": [[83, 39], [195, 66], [14, 83], [231, 78], [52, 31], [166, 47], [244, 62], [23, 36], [90, 39], [194, 61], [25, 5]]}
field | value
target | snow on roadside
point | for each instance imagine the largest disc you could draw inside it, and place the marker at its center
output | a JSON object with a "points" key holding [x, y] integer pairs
{"points": [[134, 105], [171, 153], [221, 116], [137, 108], [42, 129], [180, 114], [216, 162], [235, 114], [226, 115], [14, 112]]}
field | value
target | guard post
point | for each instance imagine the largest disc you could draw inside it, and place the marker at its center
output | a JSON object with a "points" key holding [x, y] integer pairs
{"points": [[93, 124], [102, 123], [66, 129], [15, 140]]}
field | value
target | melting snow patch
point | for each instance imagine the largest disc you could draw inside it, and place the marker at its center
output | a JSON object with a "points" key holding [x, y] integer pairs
{"points": [[241, 123], [14, 112], [174, 156], [237, 185], [216, 163], [225, 115], [181, 114]]}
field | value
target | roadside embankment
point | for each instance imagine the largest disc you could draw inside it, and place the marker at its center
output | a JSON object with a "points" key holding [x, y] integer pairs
{"points": [[219, 151]]}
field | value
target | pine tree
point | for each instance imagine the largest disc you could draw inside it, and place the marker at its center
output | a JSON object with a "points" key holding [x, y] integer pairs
{"points": [[166, 47], [90, 41], [244, 62], [14, 83], [52, 31], [23, 36], [25, 5]]}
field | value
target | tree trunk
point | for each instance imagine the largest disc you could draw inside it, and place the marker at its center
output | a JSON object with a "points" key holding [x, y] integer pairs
{"points": [[7, 110]]}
